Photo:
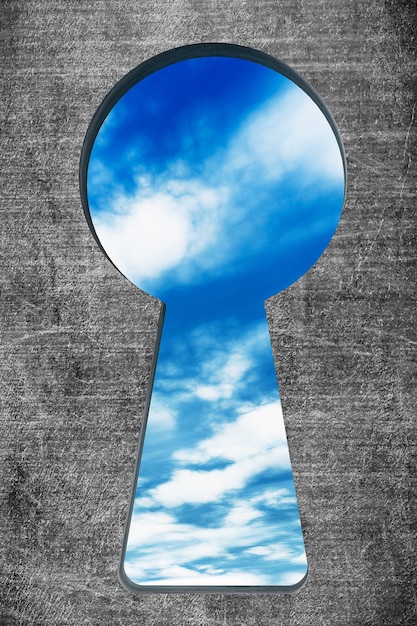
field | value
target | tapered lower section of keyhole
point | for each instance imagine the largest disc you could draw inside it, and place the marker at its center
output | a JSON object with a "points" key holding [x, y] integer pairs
{"points": [[215, 504]]}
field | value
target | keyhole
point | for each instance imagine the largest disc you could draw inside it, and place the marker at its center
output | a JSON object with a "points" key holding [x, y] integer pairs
{"points": [[213, 177]]}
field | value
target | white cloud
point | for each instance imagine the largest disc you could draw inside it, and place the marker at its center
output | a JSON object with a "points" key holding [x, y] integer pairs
{"points": [[231, 579], [300, 559], [254, 433], [275, 498], [162, 412], [160, 228], [143, 502], [289, 133], [177, 542], [183, 576], [162, 550], [241, 514], [274, 552], [225, 376], [255, 442]]}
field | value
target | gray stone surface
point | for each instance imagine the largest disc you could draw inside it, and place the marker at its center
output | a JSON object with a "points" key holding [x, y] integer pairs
{"points": [[77, 339]]}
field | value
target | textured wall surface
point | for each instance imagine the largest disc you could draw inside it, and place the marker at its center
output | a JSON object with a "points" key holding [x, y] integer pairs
{"points": [[77, 339]]}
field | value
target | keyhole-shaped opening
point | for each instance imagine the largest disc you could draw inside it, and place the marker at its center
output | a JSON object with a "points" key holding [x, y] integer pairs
{"points": [[213, 177]]}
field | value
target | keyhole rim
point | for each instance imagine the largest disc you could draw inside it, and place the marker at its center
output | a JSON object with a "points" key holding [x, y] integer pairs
{"points": [[118, 91]]}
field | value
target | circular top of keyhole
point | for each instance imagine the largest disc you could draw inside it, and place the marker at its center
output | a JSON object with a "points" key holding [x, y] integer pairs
{"points": [[209, 166]]}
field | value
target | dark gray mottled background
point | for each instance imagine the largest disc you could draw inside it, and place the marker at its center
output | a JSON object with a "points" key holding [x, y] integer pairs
{"points": [[77, 339]]}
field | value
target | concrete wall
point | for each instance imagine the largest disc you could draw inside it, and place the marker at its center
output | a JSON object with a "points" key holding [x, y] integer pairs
{"points": [[77, 339]]}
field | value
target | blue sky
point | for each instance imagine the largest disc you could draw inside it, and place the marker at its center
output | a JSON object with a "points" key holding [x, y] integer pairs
{"points": [[213, 184]]}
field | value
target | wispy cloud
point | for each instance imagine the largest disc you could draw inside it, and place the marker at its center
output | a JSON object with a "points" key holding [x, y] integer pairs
{"points": [[160, 228], [288, 134], [163, 413], [251, 444], [167, 551]]}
